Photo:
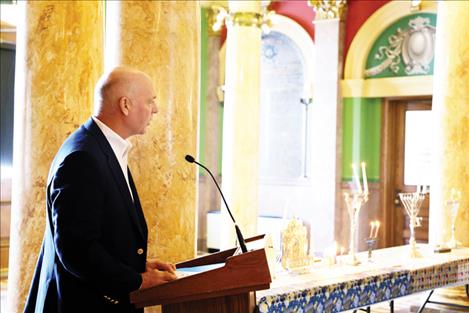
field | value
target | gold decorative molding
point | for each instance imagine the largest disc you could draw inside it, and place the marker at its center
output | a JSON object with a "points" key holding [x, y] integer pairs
{"points": [[387, 87], [328, 9]]}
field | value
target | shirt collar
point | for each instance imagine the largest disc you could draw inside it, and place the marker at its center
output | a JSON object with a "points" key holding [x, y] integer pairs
{"points": [[119, 145]]}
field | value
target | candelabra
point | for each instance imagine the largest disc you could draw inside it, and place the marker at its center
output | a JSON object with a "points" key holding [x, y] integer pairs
{"points": [[452, 204], [412, 202], [354, 201]]}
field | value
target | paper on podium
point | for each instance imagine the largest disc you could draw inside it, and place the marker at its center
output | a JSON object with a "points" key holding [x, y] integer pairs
{"points": [[188, 271]]}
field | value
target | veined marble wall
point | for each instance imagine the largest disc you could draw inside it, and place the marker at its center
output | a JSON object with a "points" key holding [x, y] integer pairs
{"points": [[59, 59], [451, 110], [162, 38]]}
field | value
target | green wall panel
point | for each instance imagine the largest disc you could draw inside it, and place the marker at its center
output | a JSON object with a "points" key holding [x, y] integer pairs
{"points": [[361, 136]]}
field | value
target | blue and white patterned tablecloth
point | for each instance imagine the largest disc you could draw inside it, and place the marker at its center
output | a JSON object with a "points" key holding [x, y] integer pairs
{"points": [[342, 287]]}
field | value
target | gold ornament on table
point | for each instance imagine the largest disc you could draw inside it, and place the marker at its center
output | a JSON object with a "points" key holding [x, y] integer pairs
{"points": [[295, 246]]}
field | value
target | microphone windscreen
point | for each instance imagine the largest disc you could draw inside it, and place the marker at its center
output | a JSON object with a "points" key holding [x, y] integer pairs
{"points": [[189, 158]]}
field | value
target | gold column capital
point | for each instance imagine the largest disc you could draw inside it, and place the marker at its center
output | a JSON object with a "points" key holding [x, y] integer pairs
{"points": [[238, 14], [215, 15], [328, 9], [244, 19]]}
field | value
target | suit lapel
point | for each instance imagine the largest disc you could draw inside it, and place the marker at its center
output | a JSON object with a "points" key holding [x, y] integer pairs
{"points": [[117, 174], [138, 207]]}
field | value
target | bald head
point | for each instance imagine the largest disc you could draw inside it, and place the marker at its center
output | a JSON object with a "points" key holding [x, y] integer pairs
{"points": [[119, 93], [113, 85]]}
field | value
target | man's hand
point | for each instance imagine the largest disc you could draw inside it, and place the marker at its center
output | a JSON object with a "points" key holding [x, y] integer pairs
{"points": [[157, 273], [153, 264], [156, 277]]}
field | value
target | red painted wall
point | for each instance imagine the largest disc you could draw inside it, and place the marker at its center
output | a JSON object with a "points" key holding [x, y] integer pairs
{"points": [[358, 12], [299, 11]]}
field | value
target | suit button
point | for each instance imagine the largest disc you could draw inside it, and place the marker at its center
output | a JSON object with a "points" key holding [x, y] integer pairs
{"points": [[140, 251]]}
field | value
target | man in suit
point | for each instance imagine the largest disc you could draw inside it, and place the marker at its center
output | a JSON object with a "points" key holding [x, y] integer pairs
{"points": [[94, 251]]}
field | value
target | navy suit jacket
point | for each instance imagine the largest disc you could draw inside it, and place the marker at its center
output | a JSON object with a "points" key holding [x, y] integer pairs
{"points": [[95, 241]]}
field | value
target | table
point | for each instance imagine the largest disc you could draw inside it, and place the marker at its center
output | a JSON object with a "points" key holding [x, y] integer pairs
{"points": [[340, 287]]}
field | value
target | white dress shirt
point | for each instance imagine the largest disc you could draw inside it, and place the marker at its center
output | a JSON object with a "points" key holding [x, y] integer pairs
{"points": [[119, 145]]}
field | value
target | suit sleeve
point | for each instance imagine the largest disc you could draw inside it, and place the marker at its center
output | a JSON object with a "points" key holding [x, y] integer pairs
{"points": [[76, 196]]}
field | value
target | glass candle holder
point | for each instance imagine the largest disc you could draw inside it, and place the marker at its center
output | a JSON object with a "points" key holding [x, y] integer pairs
{"points": [[354, 201]]}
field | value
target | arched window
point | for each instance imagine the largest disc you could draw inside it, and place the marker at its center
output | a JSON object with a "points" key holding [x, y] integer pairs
{"points": [[284, 114]]}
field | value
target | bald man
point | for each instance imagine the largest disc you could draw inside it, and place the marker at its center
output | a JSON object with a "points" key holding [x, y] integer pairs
{"points": [[94, 251]]}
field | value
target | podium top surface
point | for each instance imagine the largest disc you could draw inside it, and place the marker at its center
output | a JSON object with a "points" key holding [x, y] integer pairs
{"points": [[234, 275]]}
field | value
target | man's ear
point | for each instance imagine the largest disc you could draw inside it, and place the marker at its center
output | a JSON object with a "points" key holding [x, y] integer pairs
{"points": [[124, 104]]}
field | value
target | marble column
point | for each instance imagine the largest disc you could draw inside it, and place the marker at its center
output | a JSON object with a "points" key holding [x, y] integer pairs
{"points": [[451, 112], [59, 58], [240, 168], [162, 38], [327, 124]]}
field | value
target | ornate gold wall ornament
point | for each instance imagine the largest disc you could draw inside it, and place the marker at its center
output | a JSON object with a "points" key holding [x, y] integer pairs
{"points": [[416, 45], [328, 9]]}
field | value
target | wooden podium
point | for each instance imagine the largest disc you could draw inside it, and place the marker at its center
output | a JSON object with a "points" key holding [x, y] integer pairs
{"points": [[229, 288]]}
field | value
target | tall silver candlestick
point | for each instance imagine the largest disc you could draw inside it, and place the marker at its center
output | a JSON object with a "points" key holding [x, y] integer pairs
{"points": [[354, 201]]}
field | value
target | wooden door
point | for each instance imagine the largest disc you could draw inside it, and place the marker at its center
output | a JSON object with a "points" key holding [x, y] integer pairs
{"points": [[405, 164]]}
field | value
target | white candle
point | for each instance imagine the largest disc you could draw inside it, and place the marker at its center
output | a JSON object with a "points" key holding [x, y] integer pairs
{"points": [[365, 180], [372, 226], [356, 178], [377, 223]]}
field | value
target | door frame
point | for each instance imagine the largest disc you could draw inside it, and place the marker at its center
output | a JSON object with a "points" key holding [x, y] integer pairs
{"points": [[389, 155]]}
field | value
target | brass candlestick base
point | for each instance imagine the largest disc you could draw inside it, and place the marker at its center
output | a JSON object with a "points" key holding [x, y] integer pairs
{"points": [[371, 244]]}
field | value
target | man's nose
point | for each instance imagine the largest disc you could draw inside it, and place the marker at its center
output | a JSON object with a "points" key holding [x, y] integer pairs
{"points": [[154, 109]]}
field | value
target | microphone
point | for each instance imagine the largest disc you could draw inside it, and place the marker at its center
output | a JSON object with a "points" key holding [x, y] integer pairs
{"points": [[242, 243]]}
